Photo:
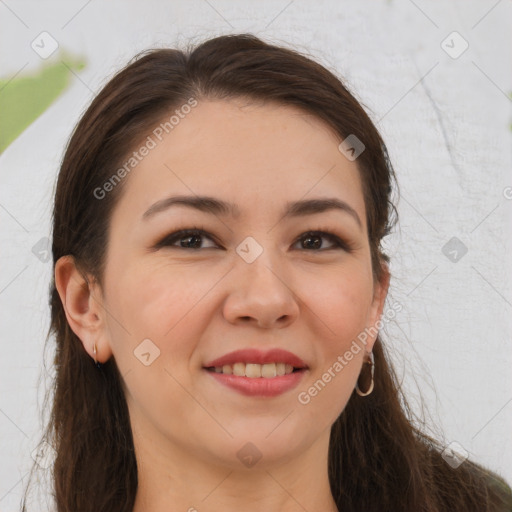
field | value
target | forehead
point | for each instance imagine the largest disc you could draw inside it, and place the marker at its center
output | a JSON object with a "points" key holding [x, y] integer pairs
{"points": [[252, 154]]}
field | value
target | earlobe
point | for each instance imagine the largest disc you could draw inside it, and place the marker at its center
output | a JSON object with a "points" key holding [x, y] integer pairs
{"points": [[379, 299], [382, 288], [83, 310]]}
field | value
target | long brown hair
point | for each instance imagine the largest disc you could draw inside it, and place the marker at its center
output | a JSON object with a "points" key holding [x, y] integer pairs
{"points": [[379, 460]]}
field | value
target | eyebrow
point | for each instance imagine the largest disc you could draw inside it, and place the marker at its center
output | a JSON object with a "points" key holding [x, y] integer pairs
{"points": [[222, 208]]}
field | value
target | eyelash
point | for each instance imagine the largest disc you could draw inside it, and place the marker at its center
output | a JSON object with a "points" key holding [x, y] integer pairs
{"points": [[168, 240]]}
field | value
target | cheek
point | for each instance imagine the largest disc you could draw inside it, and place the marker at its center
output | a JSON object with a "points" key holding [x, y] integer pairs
{"points": [[158, 303], [340, 302], [152, 300], [340, 307], [164, 306]]}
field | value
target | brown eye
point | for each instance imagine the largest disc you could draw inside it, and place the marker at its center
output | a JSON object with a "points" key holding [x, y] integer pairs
{"points": [[193, 238], [187, 239], [312, 240]]}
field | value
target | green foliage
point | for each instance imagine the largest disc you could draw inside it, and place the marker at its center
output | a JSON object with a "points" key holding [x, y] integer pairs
{"points": [[24, 98]]}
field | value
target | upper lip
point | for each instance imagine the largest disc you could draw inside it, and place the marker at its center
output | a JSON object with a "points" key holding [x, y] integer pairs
{"points": [[255, 356]]}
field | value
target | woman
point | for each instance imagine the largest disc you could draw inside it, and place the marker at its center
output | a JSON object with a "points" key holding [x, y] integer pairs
{"points": [[219, 286]]}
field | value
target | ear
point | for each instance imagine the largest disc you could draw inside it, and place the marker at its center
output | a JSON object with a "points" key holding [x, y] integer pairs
{"points": [[379, 299], [82, 300]]}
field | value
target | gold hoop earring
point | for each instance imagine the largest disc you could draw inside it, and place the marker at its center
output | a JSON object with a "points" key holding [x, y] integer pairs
{"points": [[94, 351], [371, 362]]}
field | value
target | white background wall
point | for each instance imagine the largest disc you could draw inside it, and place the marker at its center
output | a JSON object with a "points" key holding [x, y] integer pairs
{"points": [[446, 122]]}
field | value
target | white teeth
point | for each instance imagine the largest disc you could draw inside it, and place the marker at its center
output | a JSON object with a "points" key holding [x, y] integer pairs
{"points": [[255, 371], [239, 369], [269, 371], [280, 369]]}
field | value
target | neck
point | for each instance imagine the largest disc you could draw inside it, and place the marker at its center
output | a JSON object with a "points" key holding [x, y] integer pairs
{"points": [[176, 480]]}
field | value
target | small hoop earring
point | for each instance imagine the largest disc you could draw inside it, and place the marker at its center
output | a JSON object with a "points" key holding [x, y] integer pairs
{"points": [[94, 351], [371, 362]]}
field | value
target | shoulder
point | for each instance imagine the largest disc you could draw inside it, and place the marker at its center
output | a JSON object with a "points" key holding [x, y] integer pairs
{"points": [[469, 487], [500, 490], [497, 490]]}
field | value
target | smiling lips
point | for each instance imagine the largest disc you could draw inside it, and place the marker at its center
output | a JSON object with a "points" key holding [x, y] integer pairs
{"points": [[260, 357], [258, 373], [254, 371]]}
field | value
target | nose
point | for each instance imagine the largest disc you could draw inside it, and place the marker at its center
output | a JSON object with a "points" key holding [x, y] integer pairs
{"points": [[262, 295]]}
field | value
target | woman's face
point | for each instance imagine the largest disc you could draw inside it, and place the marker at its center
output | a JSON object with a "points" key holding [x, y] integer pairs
{"points": [[254, 280]]}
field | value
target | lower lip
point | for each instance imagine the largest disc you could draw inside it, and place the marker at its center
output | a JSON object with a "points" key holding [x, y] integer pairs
{"points": [[260, 386]]}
